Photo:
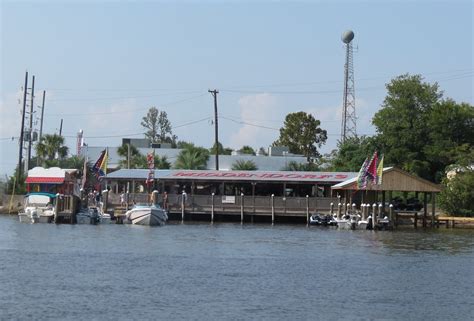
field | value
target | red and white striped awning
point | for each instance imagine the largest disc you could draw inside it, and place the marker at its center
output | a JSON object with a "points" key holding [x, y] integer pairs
{"points": [[44, 180]]}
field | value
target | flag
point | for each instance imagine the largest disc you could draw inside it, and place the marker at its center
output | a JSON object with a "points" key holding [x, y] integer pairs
{"points": [[372, 168], [100, 166], [380, 171], [362, 177], [150, 158]]}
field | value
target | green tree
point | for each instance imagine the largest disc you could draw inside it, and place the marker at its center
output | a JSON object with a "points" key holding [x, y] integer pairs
{"points": [[192, 157], [302, 134], [222, 150], [247, 150], [244, 165], [300, 167], [51, 147], [161, 162], [457, 197], [451, 135], [401, 122], [134, 158], [158, 127], [351, 153]]}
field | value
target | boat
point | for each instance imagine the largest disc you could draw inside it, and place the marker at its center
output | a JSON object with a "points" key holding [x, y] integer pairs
{"points": [[322, 220], [92, 215], [145, 214], [38, 208]]}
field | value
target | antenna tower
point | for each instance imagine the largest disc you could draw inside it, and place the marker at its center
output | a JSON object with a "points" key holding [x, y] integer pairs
{"points": [[348, 125]]}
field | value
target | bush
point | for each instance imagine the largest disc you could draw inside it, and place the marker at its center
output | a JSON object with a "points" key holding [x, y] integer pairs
{"points": [[457, 197]]}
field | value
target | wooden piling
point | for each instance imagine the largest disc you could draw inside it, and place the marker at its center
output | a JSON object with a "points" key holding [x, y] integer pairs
{"points": [[307, 209], [374, 216], [182, 206], [339, 208], [415, 224], [212, 208], [273, 208], [242, 208], [331, 208]]}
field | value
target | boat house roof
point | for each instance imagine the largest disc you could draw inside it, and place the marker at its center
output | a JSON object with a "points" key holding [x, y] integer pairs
{"points": [[393, 179], [249, 176]]}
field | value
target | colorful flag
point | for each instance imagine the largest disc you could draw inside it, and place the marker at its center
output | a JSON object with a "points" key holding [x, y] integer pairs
{"points": [[380, 171], [100, 166], [372, 168], [150, 158], [362, 177]]}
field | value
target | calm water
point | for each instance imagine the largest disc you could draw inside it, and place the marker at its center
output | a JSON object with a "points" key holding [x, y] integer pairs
{"points": [[232, 272]]}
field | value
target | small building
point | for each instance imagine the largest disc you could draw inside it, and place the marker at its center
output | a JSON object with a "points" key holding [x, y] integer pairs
{"points": [[53, 180]]}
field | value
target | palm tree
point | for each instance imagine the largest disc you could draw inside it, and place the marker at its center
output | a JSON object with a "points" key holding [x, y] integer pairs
{"points": [[300, 167], [162, 162], [192, 157], [244, 165], [136, 160], [51, 147]]}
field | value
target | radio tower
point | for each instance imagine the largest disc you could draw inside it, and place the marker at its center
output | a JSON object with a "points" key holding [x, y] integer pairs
{"points": [[348, 126]]}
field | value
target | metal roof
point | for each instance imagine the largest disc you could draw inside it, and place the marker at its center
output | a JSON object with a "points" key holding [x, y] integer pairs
{"points": [[212, 175]]}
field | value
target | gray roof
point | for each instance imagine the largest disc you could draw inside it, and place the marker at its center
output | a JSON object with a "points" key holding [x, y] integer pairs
{"points": [[268, 163], [212, 175]]}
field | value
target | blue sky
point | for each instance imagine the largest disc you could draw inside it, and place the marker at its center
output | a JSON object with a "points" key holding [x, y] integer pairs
{"points": [[104, 63]]}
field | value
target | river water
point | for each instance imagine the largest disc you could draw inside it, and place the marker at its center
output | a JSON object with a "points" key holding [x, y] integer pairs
{"points": [[232, 272]]}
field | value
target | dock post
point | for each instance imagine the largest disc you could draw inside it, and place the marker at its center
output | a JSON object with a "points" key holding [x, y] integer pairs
{"points": [[433, 201], [212, 208], [307, 209], [374, 216], [415, 224], [339, 206], [381, 211], [182, 206], [105, 200], [331, 206], [241, 208], [57, 208], [273, 208], [390, 214], [362, 211], [353, 208]]}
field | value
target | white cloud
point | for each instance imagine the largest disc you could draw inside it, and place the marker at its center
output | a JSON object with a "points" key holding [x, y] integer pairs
{"points": [[253, 110]]}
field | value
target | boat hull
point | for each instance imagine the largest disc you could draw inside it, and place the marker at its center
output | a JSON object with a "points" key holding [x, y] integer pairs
{"points": [[147, 216]]}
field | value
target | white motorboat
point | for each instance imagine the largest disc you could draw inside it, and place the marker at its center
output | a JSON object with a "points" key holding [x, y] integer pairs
{"points": [[38, 208], [144, 214]]}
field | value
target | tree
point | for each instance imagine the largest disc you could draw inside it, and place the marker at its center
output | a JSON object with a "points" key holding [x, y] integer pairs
{"points": [[351, 153], [451, 135], [302, 134], [401, 122], [162, 162], [300, 167], [192, 157], [132, 158], [244, 165], [247, 150], [421, 133], [158, 127], [457, 197], [51, 147], [222, 150]]}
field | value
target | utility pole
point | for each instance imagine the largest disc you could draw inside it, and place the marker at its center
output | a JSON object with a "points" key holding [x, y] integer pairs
{"points": [[61, 128], [214, 94], [42, 114], [41, 127], [22, 127], [30, 138]]}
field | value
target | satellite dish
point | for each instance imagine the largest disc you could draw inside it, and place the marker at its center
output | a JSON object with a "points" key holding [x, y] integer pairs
{"points": [[347, 36]]}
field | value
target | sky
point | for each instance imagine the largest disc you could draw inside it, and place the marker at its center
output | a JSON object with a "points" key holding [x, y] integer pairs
{"points": [[103, 64]]}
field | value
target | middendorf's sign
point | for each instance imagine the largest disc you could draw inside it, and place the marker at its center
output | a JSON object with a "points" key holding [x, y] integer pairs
{"points": [[306, 177]]}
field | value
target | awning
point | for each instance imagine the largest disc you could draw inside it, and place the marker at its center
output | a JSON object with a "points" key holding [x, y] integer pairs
{"points": [[44, 180]]}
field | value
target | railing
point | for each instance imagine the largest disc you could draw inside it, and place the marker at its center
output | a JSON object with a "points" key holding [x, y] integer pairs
{"points": [[262, 205]]}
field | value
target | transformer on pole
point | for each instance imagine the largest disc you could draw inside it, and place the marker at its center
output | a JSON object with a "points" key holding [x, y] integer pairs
{"points": [[348, 124]]}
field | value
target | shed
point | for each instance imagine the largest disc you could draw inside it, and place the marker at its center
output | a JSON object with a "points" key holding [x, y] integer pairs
{"points": [[393, 180]]}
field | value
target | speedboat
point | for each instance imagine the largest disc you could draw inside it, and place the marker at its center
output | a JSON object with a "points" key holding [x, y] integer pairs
{"points": [[145, 214], [322, 220], [348, 222], [38, 208], [92, 215], [89, 215]]}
